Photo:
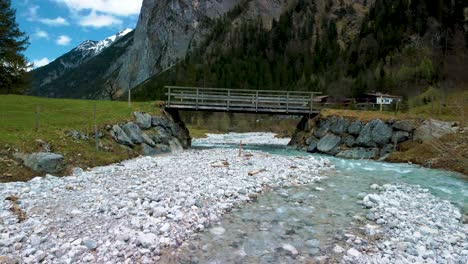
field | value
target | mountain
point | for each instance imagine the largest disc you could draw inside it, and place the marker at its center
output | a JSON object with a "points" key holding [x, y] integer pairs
{"points": [[340, 47], [47, 76]]}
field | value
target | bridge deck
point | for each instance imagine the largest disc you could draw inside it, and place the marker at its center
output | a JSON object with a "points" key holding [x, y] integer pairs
{"points": [[240, 101]]}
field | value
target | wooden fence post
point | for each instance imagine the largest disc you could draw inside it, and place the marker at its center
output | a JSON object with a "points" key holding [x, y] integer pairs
{"points": [[38, 112]]}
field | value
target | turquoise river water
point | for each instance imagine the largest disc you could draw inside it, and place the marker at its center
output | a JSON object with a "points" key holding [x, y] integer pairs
{"points": [[311, 219]]}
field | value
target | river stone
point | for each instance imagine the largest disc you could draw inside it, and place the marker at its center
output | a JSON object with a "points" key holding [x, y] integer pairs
{"points": [[311, 144], [291, 249], [45, 162], [405, 125], [376, 132], [399, 136], [355, 128], [120, 136], [352, 252], [338, 125], [146, 240], [359, 153], [133, 132], [144, 120], [313, 243], [329, 143], [217, 231]]}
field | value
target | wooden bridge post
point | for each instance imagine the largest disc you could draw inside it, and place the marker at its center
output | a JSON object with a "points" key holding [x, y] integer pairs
{"points": [[169, 96], [256, 101], [287, 102], [229, 99], [197, 98]]}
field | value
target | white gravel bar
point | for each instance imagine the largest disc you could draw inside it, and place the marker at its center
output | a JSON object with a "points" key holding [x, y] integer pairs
{"points": [[412, 226], [130, 212], [255, 138]]}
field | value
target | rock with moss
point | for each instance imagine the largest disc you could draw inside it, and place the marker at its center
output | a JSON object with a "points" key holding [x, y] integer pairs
{"points": [[359, 153]]}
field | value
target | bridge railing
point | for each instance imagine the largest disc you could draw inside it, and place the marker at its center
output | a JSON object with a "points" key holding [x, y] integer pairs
{"points": [[240, 99]]}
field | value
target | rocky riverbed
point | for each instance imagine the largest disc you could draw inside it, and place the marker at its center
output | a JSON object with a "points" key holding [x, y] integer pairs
{"points": [[411, 226], [130, 212]]}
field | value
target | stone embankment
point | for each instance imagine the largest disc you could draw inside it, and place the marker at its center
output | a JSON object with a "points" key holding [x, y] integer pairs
{"points": [[147, 135], [411, 226], [130, 212], [352, 138]]}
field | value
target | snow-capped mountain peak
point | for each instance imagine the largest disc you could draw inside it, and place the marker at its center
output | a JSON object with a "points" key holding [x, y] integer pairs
{"points": [[92, 48]]}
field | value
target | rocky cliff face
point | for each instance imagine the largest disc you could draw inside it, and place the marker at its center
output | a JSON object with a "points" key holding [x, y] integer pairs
{"points": [[167, 29]]}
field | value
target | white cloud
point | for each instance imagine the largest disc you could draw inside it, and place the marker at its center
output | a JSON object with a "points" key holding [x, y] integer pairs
{"points": [[98, 21], [59, 21], [41, 62], [41, 34], [31, 13], [109, 7], [63, 40]]}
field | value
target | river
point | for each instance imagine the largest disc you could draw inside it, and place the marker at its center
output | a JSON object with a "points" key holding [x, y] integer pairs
{"points": [[313, 219]]}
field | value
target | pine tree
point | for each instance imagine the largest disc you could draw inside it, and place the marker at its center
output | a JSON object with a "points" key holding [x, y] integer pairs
{"points": [[13, 42]]}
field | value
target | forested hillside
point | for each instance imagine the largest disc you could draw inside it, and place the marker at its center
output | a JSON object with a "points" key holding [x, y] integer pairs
{"points": [[345, 49]]}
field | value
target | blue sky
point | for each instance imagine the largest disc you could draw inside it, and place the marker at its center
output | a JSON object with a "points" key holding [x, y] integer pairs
{"points": [[55, 27]]}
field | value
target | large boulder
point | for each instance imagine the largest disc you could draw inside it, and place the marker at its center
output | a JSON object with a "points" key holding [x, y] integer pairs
{"points": [[322, 129], [160, 136], [338, 125], [349, 141], [133, 132], [161, 121], [400, 136], [359, 153], [45, 162], [329, 144], [311, 144], [433, 129], [374, 133], [355, 127], [381, 133], [120, 136], [405, 125], [144, 120], [156, 150], [147, 140]]}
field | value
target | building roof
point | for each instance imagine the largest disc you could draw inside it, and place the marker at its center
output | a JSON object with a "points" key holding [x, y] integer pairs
{"points": [[384, 95]]}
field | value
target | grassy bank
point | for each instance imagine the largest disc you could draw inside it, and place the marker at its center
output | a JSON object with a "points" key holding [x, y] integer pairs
{"points": [[25, 121]]}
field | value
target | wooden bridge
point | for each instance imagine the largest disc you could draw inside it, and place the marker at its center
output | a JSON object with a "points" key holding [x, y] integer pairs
{"points": [[240, 101]]}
